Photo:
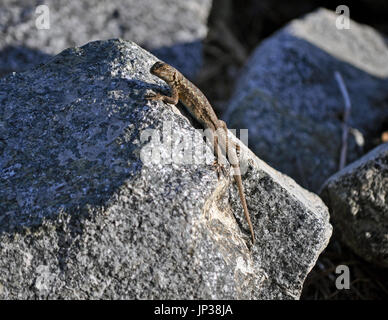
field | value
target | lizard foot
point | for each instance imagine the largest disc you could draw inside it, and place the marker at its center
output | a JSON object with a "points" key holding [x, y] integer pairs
{"points": [[219, 168]]}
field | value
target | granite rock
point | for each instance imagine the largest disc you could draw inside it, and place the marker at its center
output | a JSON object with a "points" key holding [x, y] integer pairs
{"points": [[288, 98], [357, 197], [171, 29], [87, 214]]}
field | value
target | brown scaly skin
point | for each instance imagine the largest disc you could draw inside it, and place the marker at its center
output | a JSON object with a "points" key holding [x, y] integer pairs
{"points": [[199, 107]]}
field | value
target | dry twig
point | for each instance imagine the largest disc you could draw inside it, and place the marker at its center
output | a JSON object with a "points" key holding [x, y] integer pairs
{"points": [[345, 127]]}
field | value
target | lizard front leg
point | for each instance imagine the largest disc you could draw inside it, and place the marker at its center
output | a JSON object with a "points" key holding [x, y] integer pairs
{"points": [[173, 99]]}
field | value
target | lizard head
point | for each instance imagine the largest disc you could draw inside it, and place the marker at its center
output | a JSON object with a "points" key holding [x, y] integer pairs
{"points": [[163, 71]]}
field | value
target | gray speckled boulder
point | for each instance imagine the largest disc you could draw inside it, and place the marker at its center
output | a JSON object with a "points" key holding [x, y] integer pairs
{"points": [[290, 101], [84, 214], [172, 29], [357, 197]]}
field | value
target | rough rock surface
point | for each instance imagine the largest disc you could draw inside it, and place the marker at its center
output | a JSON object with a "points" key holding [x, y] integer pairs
{"points": [[172, 29], [290, 101], [85, 215], [357, 197]]}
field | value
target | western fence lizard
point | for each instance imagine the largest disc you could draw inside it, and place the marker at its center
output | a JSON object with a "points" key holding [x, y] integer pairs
{"points": [[199, 107]]}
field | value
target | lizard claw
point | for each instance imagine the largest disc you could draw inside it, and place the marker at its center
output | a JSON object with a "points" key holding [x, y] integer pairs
{"points": [[152, 96]]}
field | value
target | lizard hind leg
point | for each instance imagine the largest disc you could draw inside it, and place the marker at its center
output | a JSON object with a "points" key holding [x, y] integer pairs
{"points": [[222, 125]]}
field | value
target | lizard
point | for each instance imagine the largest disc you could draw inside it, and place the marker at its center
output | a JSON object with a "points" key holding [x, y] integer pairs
{"points": [[200, 108]]}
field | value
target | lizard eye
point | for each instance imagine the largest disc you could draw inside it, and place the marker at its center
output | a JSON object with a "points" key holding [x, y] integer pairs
{"points": [[156, 66]]}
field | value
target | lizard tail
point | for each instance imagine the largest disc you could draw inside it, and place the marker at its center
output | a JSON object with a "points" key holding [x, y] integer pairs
{"points": [[240, 188]]}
